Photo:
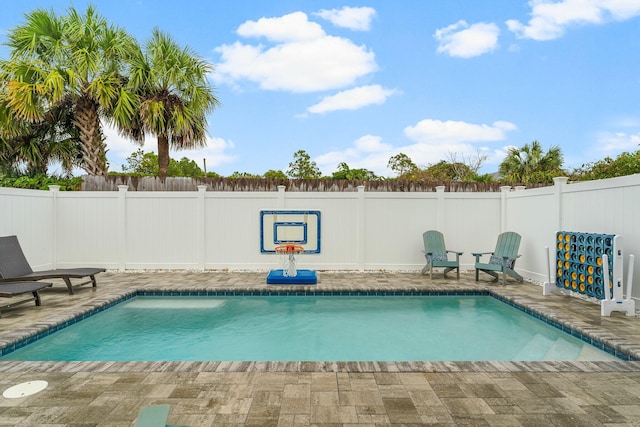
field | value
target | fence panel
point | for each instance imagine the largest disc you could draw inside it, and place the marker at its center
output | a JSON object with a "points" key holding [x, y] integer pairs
{"points": [[340, 229], [471, 224], [533, 214], [610, 206], [233, 230], [393, 236], [29, 214], [360, 230], [86, 231], [161, 230]]}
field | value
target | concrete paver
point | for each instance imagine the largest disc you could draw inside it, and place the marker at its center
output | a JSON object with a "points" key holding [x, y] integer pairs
{"points": [[323, 394]]}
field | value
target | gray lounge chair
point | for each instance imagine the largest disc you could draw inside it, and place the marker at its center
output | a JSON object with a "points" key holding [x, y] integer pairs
{"points": [[14, 267], [13, 289], [503, 258]]}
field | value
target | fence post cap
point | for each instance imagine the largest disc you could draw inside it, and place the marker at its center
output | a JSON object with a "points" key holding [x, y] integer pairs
{"points": [[560, 180]]}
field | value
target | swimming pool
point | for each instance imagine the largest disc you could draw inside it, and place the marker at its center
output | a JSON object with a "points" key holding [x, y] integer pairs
{"points": [[310, 327]]}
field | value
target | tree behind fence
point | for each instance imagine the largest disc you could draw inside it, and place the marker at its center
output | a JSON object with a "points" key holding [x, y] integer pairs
{"points": [[149, 183]]}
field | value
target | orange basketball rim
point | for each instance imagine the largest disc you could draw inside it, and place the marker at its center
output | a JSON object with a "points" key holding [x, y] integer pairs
{"points": [[289, 249]]}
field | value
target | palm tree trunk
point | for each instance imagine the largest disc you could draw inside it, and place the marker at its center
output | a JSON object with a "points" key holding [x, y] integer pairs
{"points": [[163, 156], [87, 120]]}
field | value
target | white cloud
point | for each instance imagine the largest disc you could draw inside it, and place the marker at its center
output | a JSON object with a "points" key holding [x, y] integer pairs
{"points": [[305, 60], [433, 141], [467, 41], [368, 152], [424, 154], [120, 148], [292, 27], [431, 131], [605, 144], [436, 140], [353, 99], [549, 20], [371, 144], [353, 18], [627, 122], [621, 10], [612, 144], [215, 153]]}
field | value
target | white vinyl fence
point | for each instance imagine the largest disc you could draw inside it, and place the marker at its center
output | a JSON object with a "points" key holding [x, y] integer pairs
{"points": [[361, 231]]}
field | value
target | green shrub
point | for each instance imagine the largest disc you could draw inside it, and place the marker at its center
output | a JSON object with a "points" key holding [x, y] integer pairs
{"points": [[41, 182]]}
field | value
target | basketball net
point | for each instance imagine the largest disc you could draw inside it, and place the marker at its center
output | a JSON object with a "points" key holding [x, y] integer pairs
{"points": [[287, 254]]}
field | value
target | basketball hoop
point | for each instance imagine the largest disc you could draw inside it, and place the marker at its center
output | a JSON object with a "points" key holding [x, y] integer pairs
{"points": [[287, 254]]}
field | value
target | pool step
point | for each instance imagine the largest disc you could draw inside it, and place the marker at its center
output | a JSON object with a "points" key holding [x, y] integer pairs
{"points": [[590, 353], [535, 349], [561, 349], [542, 348]]}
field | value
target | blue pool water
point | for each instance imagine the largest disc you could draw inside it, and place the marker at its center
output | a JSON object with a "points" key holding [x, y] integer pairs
{"points": [[310, 328]]}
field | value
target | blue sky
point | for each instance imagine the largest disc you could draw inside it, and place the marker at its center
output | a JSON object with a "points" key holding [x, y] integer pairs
{"points": [[359, 82]]}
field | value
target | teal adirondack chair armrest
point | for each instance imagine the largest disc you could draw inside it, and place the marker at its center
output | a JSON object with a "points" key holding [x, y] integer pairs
{"points": [[458, 254], [448, 251], [508, 261], [429, 255], [479, 254]]}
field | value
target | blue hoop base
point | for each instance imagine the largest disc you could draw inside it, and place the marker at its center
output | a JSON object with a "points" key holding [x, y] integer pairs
{"points": [[303, 277]]}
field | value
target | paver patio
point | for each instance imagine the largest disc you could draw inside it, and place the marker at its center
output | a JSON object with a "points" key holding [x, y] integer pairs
{"points": [[323, 394]]}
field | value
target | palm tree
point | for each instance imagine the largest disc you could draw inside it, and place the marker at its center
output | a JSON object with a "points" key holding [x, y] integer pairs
{"points": [[529, 164], [30, 147], [33, 147], [75, 59], [174, 94]]}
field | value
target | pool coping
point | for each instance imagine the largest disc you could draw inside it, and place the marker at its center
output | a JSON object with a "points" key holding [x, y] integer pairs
{"points": [[602, 339]]}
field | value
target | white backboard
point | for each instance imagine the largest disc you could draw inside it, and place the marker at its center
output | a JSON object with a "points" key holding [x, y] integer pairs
{"points": [[299, 227]]}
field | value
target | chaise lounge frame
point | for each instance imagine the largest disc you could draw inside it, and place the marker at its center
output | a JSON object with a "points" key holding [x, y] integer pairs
{"points": [[14, 267], [13, 289]]}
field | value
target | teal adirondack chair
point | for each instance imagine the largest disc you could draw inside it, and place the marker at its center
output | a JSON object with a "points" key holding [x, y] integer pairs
{"points": [[503, 258], [437, 255]]}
